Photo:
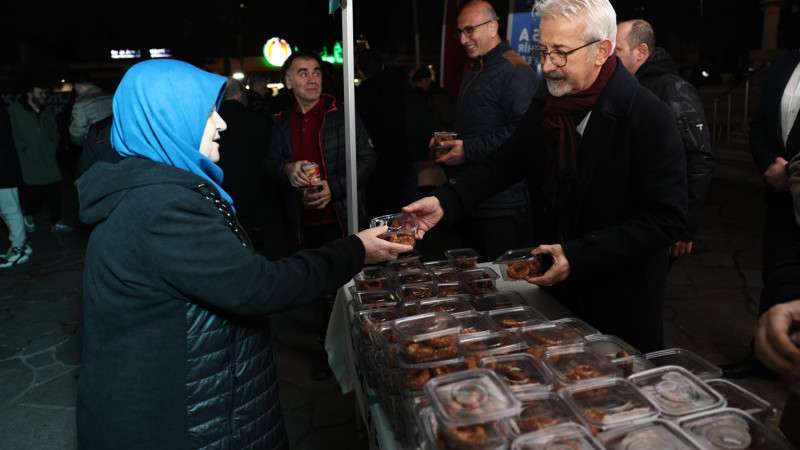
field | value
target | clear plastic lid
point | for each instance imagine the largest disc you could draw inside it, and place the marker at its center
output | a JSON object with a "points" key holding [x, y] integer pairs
{"points": [[498, 300], [494, 343], [372, 278], [481, 436], [633, 364], [517, 317], [676, 391], [402, 264], [369, 319], [427, 326], [520, 371], [609, 402], [414, 376], [578, 363], [540, 409], [580, 325], [739, 398], [449, 304], [480, 280], [455, 288], [729, 428], [440, 264], [563, 436], [694, 363], [402, 227], [383, 335], [374, 300], [611, 346], [550, 334], [471, 397], [519, 264], [415, 276], [656, 434], [464, 258], [474, 322], [447, 275], [418, 290]]}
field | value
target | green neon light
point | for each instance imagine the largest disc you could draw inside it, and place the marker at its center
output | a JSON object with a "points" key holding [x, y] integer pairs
{"points": [[336, 57]]}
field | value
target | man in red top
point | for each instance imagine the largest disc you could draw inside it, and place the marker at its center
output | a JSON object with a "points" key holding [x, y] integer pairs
{"points": [[312, 131]]}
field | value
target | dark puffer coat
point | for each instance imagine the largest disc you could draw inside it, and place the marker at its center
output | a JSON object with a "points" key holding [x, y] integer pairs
{"points": [[177, 350]]}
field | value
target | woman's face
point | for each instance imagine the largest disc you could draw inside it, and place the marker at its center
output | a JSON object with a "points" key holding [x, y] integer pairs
{"points": [[209, 144]]}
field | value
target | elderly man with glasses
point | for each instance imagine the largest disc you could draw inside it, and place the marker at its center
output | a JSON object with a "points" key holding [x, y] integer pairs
{"points": [[607, 172], [494, 95]]}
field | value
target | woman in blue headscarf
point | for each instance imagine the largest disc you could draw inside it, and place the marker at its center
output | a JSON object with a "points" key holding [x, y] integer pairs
{"points": [[176, 350]]}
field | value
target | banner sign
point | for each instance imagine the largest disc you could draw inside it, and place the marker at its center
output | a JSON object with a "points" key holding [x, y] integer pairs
{"points": [[523, 28]]}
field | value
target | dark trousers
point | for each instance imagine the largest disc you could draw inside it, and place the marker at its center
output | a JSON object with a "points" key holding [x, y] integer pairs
{"points": [[781, 257], [493, 232], [791, 418], [38, 195], [314, 237]]}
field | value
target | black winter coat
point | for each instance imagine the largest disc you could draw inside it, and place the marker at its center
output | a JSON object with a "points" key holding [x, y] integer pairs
{"points": [[627, 207], [176, 351], [660, 75]]}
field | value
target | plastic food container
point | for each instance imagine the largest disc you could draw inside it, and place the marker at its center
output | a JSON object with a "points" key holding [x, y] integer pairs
{"points": [[414, 376], [655, 434], [447, 275], [518, 264], [383, 335], [418, 290], [580, 325], [496, 343], [611, 346], [455, 288], [542, 409], [481, 436], [440, 150], [363, 300], [402, 227], [729, 428], [440, 264], [676, 391], [694, 363], [497, 300], [520, 371], [474, 322], [563, 436], [480, 280], [578, 363], [471, 397], [369, 319], [633, 364], [450, 304], [739, 398], [373, 278], [610, 402], [463, 258], [517, 317], [549, 334], [415, 276], [402, 264], [427, 337]]}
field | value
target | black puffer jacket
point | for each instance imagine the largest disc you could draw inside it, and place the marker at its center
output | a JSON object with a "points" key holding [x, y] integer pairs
{"points": [[660, 75], [334, 165], [176, 351]]}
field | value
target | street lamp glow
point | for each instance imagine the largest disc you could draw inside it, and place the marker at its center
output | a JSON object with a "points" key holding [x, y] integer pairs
{"points": [[276, 51]]}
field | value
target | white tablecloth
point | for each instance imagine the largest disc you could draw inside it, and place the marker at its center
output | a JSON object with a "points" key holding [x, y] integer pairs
{"points": [[341, 352]]}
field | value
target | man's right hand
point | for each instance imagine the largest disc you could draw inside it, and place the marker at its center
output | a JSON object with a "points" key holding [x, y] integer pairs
{"points": [[428, 211], [772, 344], [292, 171], [776, 176]]}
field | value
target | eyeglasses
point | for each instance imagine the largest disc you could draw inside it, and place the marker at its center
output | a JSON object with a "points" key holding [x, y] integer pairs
{"points": [[557, 57], [468, 30]]}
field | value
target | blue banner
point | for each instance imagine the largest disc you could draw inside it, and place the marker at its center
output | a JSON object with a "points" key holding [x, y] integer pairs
{"points": [[523, 28], [333, 5]]}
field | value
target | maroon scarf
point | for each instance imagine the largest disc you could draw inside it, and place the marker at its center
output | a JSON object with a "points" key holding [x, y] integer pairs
{"points": [[561, 118]]}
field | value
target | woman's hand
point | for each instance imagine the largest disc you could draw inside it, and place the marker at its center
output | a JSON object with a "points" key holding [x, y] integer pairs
{"points": [[428, 211]]}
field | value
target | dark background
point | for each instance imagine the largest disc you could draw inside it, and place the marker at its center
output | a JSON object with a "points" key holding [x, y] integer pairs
{"points": [[49, 36]]}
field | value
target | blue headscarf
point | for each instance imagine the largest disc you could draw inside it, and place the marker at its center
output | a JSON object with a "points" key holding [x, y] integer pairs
{"points": [[161, 107]]}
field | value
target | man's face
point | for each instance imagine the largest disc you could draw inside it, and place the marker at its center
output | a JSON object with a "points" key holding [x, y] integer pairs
{"points": [[559, 33], [482, 38], [37, 96], [623, 50], [305, 80]]}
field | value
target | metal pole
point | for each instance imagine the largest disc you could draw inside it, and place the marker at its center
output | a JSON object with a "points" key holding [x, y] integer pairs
{"points": [[746, 101], [417, 57], [350, 115]]}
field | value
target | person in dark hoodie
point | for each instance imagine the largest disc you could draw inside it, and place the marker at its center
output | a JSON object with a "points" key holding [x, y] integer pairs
{"points": [[176, 346], [655, 70]]}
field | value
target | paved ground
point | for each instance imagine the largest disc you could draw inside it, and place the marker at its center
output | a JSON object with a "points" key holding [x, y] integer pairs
{"points": [[710, 309]]}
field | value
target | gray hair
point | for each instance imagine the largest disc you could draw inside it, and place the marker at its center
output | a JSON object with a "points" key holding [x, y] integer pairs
{"points": [[233, 88], [599, 16]]}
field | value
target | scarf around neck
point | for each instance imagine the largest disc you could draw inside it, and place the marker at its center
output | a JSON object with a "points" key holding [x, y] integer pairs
{"points": [[560, 124], [161, 107]]}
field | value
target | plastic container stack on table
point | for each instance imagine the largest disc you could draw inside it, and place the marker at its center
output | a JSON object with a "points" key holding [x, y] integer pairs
{"points": [[486, 371]]}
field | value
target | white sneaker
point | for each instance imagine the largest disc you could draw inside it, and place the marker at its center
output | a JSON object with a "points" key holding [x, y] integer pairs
{"points": [[14, 256], [30, 224], [61, 226]]}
